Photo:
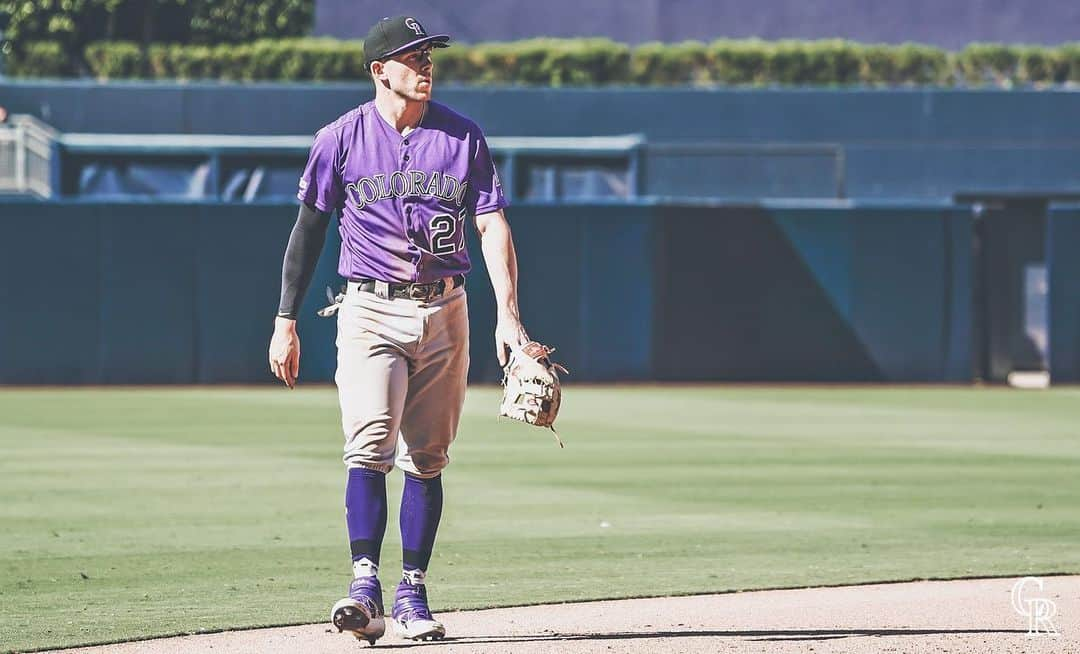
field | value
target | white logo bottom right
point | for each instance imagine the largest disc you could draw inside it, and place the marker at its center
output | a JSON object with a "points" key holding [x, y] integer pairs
{"points": [[1039, 611]]}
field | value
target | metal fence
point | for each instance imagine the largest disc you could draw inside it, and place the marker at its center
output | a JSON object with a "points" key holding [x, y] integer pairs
{"points": [[26, 146]]}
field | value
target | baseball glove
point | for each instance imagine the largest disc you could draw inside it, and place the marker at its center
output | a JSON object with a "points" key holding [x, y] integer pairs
{"points": [[531, 391]]}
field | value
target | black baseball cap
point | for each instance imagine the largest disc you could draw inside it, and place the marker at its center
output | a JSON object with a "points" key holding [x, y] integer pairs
{"points": [[391, 36]]}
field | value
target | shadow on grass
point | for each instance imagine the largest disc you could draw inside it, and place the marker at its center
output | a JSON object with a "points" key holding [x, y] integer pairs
{"points": [[764, 635]]}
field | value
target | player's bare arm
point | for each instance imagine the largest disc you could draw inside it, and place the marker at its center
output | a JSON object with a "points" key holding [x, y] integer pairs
{"points": [[497, 244], [301, 255]]}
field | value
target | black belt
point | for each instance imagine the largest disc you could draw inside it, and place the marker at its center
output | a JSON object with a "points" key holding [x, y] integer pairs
{"points": [[423, 292]]}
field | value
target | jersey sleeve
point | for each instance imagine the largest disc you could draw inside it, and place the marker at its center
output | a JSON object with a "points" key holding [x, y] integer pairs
{"points": [[485, 190], [320, 184]]}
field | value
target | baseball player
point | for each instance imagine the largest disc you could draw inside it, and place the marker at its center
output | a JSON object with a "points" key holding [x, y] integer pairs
{"points": [[404, 174]]}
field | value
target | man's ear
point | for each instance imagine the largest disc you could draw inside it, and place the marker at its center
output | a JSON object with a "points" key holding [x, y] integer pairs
{"points": [[376, 69]]}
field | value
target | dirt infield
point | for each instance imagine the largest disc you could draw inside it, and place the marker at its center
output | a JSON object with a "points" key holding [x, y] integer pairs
{"points": [[930, 616]]}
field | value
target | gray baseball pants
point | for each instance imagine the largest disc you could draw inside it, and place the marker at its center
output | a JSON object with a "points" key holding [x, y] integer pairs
{"points": [[402, 367]]}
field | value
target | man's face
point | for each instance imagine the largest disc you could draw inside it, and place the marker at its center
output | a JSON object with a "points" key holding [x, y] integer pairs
{"points": [[408, 74]]}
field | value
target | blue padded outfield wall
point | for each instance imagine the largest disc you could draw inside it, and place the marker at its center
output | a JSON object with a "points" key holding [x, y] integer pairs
{"points": [[860, 294], [1063, 263], [185, 293], [891, 143]]}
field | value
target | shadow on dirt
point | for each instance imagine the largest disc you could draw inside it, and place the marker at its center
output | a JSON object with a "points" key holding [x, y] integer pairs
{"points": [[765, 635]]}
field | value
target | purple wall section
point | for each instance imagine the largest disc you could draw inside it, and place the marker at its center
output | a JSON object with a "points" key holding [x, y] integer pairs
{"points": [[946, 23]]}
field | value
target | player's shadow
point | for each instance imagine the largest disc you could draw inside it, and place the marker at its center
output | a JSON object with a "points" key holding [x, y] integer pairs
{"points": [[762, 635]]}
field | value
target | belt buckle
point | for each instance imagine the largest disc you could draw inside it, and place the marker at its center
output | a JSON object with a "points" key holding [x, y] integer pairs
{"points": [[420, 292]]}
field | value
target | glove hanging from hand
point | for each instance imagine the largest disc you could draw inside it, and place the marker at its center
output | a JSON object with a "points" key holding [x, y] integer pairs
{"points": [[531, 391]]}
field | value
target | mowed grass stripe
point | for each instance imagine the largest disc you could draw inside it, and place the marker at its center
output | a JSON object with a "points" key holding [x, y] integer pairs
{"points": [[140, 512]]}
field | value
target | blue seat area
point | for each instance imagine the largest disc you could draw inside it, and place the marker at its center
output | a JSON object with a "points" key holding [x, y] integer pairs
{"points": [[174, 180]]}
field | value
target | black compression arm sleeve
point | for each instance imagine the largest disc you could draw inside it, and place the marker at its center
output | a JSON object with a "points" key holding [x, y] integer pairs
{"points": [[301, 255]]}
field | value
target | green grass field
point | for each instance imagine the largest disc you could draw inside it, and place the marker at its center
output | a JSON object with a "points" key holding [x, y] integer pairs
{"points": [[129, 513]]}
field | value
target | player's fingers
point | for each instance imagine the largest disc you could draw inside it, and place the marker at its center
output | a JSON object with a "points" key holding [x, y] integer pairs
{"points": [[286, 371], [294, 367], [500, 350], [280, 371]]}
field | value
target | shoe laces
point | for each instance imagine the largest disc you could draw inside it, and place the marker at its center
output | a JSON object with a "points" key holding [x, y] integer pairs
{"points": [[411, 603]]}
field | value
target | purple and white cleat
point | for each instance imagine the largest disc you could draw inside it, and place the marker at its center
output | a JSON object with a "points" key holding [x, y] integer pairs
{"points": [[412, 615], [362, 611]]}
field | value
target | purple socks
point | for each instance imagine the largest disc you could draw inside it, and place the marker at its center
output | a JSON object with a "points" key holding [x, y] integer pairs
{"points": [[365, 515], [421, 509]]}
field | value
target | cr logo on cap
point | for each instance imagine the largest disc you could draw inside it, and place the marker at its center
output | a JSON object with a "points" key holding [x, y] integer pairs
{"points": [[414, 26]]}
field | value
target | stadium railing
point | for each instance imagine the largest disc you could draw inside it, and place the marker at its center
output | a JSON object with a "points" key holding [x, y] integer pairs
{"points": [[26, 156], [243, 168]]}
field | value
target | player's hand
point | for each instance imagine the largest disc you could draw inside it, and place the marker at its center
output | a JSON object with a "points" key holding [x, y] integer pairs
{"points": [[285, 351], [508, 332]]}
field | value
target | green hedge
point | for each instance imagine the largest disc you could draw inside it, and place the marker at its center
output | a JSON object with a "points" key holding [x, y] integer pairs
{"points": [[581, 62], [299, 59], [544, 62], [991, 63], [40, 59], [74, 24]]}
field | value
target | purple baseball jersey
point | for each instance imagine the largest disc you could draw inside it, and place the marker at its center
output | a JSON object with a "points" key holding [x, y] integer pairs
{"points": [[402, 200]]}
